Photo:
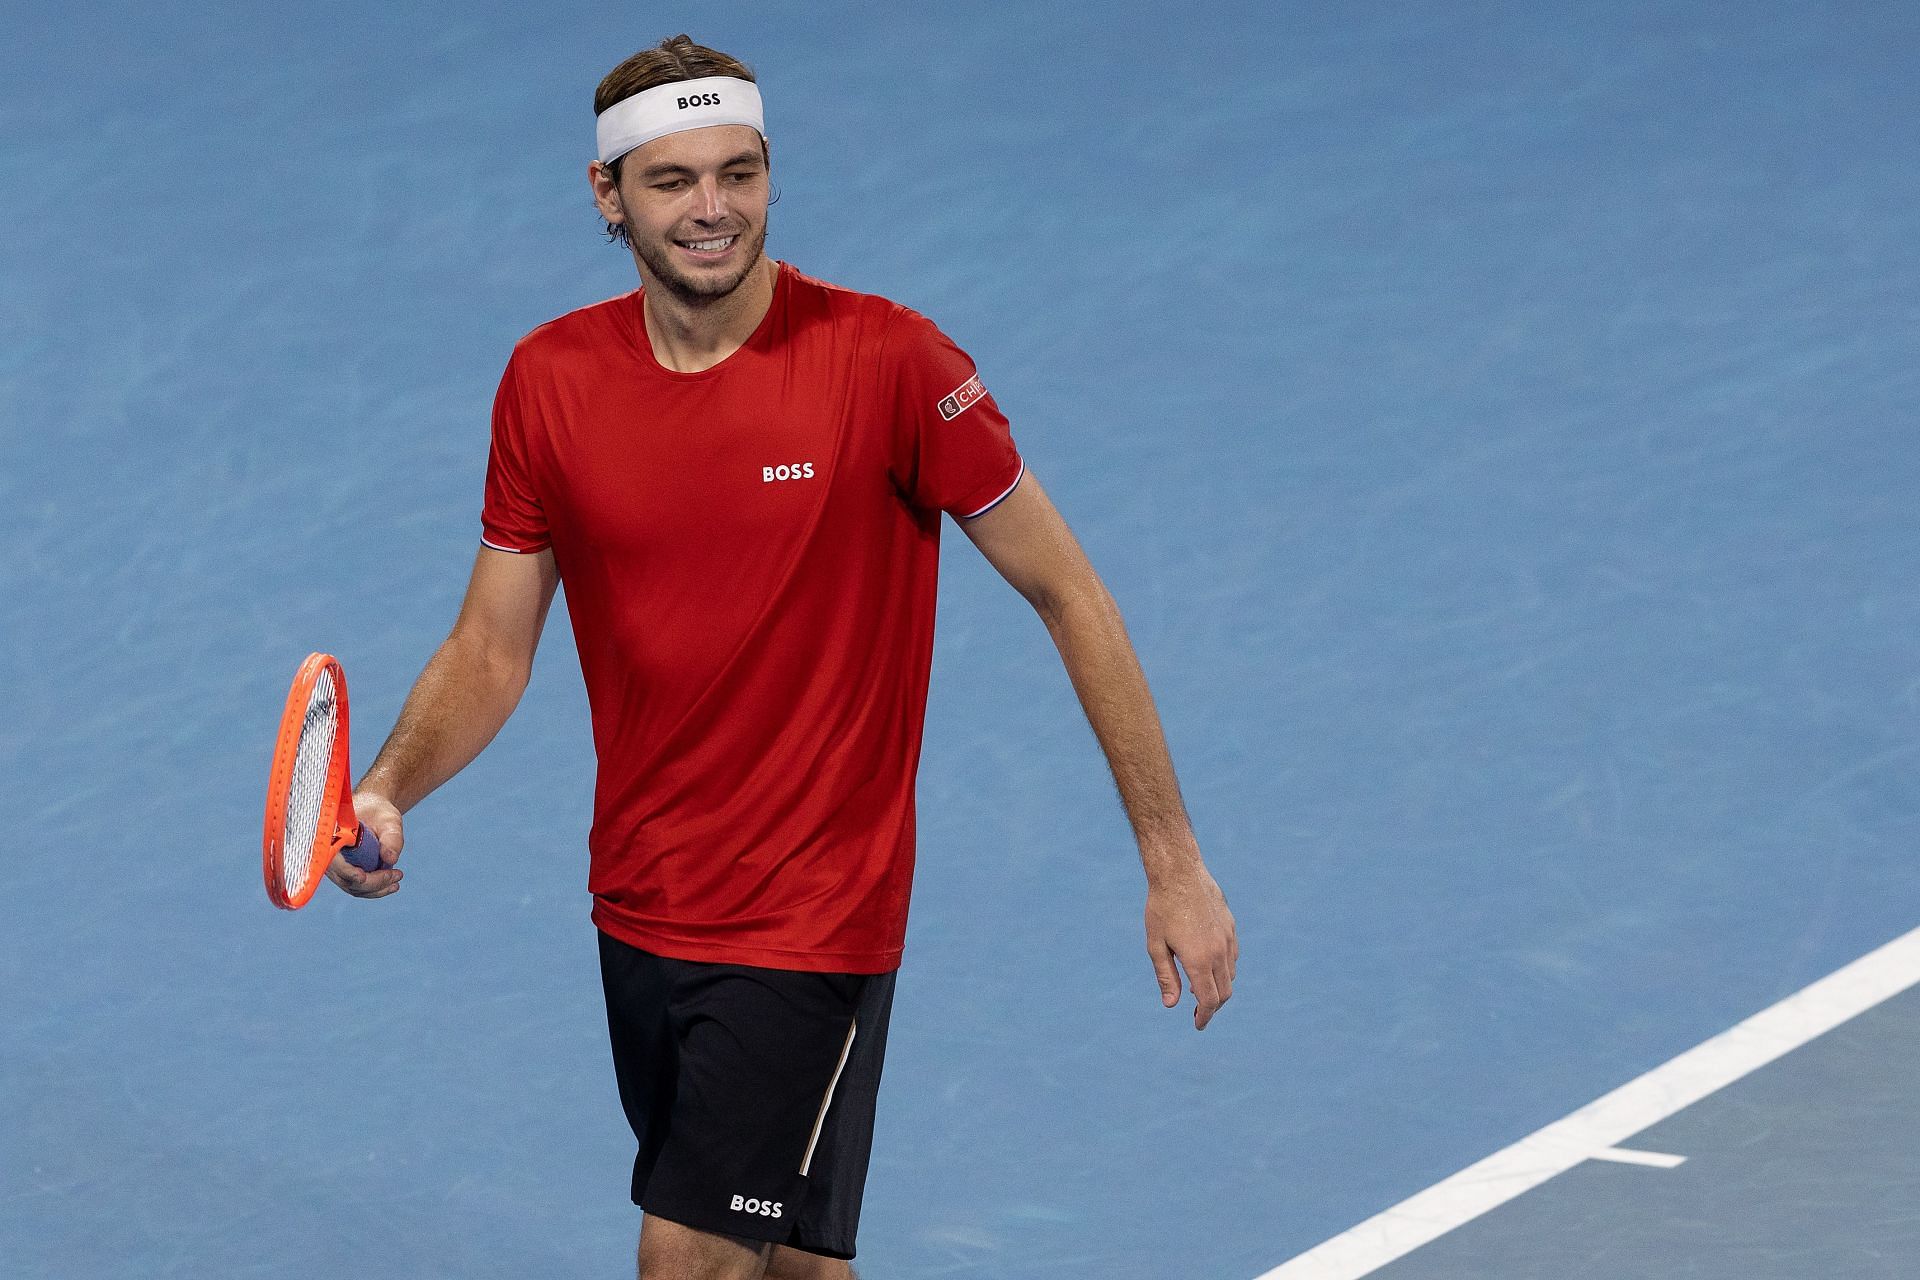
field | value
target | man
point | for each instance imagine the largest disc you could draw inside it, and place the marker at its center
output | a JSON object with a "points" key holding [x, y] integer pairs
{"points": [[739, 473]]}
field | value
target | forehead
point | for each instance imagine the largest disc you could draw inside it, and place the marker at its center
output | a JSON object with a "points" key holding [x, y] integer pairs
{"points": [[695, 149]]}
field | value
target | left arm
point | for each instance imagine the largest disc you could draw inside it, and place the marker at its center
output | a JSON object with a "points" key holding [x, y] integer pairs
{"points": [[1028, 542]]}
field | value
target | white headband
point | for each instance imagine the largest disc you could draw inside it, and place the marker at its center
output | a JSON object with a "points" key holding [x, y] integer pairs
{"points": [[670, 108]]}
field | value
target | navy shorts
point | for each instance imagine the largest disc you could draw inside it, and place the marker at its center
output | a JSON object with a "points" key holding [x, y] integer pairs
{"points": [[751, 1092]]}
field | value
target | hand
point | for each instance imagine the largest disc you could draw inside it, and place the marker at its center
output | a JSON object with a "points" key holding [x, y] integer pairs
{"points": [[378, 812], [1187, 919]]}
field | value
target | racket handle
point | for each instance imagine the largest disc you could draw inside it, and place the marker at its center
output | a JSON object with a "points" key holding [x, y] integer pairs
{"points": [[365, 853]]}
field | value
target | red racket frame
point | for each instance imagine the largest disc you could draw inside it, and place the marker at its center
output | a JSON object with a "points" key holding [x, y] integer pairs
{"points": [[337, 827]]}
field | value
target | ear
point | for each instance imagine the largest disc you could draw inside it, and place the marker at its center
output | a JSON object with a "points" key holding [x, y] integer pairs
{"points": [[606, 193]]}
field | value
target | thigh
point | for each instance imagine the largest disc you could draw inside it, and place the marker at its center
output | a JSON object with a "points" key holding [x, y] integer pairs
{"points": [[759, 1054], [837, 1163], [639, 990], [672, 1251], [787, 1263]]}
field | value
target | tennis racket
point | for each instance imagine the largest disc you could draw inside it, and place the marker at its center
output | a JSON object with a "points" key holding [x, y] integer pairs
{"points": [[309, 799]]}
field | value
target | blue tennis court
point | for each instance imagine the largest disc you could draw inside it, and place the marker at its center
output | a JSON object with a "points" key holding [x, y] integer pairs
{"points": [[1495, 422]]}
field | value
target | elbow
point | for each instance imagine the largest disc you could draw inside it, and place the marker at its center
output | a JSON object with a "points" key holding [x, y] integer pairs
{"points": [[1059, 606], [483, 659]]}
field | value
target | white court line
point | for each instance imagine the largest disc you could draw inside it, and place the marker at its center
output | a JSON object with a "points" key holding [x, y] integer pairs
{"points": [[1879, 975], [1651, 1159]]}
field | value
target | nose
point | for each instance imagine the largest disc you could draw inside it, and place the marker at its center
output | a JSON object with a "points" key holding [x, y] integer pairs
{"points": [[708, 206]]}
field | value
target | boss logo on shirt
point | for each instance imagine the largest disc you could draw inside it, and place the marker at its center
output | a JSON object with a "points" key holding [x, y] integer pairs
{"points": [[765, 1208], [961, 398], [699, 100], [787, 471]]}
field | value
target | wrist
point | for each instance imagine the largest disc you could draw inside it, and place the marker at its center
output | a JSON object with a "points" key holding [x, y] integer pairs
{"points": [[1171, 858], [372, 788]]}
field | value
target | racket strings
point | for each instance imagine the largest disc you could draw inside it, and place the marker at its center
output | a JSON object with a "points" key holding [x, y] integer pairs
{"points": [[302, 837]]}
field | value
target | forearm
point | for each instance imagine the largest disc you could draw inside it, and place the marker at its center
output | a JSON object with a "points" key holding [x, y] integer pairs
{"points": [[456, 707], [1106, 675]]}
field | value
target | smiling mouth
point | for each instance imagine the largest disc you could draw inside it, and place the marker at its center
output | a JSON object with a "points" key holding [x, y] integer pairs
{"points": [[708, 248]]}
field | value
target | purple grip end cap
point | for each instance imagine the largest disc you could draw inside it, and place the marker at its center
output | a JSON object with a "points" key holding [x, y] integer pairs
{"points": [[366, 854]]}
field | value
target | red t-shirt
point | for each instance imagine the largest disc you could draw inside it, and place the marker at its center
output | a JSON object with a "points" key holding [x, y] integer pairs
{"points": [[749, 555]]}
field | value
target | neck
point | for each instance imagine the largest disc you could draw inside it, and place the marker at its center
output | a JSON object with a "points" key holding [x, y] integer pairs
{"points": [[689, 337]]}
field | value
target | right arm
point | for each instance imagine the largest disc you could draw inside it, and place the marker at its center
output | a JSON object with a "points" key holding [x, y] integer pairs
{"points": [[467, 691]]}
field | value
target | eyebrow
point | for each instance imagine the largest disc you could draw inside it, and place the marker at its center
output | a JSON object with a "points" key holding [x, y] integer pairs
{"points": [[662, 170]]}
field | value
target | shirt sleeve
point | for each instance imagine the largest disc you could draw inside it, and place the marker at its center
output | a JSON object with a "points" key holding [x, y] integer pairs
{"points": [[511, 517], [953, 450]]}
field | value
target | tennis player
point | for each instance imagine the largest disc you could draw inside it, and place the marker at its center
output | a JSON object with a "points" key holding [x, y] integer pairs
{"points": [[739, 472]]}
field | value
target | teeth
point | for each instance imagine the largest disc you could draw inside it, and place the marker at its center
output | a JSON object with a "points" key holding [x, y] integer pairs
{"points": [[710, 246]]}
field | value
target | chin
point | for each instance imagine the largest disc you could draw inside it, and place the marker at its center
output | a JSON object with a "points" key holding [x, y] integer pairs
{"points": [[705, 286]]}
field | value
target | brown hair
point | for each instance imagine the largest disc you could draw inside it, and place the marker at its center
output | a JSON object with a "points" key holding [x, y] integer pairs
{"points": [[678, 58]]}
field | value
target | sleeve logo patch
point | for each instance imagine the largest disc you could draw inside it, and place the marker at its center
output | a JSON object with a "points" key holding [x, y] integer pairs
{"points": [[962, 398]]}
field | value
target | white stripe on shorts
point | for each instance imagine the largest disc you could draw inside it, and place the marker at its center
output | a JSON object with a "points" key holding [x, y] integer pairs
{"points": [[820, 1120]]}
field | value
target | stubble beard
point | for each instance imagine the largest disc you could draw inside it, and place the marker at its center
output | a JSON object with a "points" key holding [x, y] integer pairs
{"points": [[706, 288]]}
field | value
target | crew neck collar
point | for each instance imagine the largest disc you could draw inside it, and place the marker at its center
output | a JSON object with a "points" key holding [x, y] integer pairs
{"points": [[643, 346]]}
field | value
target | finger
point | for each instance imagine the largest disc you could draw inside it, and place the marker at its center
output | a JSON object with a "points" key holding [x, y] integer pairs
{"points": [[378, 884], [363, 884], [1163, 968], [374, 887], [377, 811], [1207, 997], [345, 874], [391, 842]]}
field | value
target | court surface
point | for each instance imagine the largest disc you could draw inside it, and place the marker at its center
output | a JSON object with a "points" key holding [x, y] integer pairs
{"points": [[1495, 421]]}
